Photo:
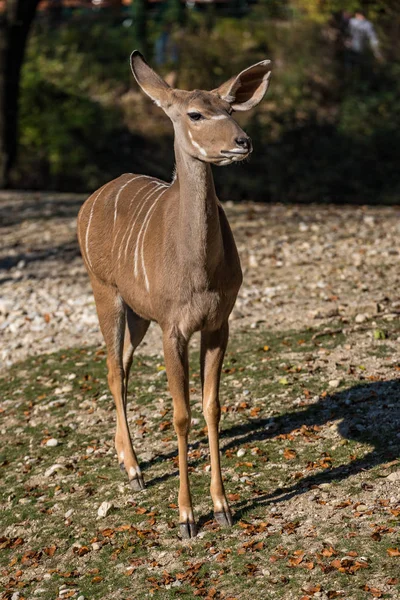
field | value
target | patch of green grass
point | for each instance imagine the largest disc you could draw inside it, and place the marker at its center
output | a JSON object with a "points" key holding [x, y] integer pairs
{"points": [[312, 455]]}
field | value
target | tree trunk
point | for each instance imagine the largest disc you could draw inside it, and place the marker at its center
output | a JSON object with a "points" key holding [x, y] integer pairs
{"points": [[15, 23]]}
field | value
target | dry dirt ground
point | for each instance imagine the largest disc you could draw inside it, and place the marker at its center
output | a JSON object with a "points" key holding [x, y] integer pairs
{"points": [[310, 427], [303, 265]]}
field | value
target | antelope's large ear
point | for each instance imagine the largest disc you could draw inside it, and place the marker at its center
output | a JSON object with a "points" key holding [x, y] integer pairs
{"points": [[246, 90], [151, 83]]}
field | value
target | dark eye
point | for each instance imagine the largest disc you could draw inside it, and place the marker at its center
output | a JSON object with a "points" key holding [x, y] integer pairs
{"points": [[195, 116]]}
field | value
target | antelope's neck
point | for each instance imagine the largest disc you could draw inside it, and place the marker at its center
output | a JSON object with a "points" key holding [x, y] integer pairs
{"points": [[199, 235]]}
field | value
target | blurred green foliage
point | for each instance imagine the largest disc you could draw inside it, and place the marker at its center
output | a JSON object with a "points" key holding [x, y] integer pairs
{"points": [[321, 134]]}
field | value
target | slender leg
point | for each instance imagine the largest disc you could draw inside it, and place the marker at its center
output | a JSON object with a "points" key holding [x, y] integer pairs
{"points": [[213, 346], [135, 331], [111, 311], [176, 362]]}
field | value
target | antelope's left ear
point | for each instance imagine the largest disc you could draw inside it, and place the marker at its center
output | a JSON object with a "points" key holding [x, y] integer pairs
{"points": [[246, 90], [152, 84]]}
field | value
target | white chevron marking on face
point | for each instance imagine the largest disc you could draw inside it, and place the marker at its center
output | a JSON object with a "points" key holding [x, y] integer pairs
{"points": [[218, 117], [196, 145], [146, 225]]}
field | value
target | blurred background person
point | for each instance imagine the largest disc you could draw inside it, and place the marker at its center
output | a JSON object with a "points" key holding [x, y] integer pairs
{"points": [[361, 40]]}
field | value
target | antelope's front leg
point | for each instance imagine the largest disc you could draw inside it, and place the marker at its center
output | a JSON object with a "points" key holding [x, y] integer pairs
{"points": [[176, 363], [213, 346]]}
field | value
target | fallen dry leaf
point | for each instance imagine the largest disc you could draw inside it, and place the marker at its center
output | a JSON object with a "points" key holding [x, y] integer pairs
{"points": [[376, 592], [50, 550], [289, 454]]}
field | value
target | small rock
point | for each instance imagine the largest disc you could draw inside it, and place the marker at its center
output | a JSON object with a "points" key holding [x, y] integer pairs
{"points": [[68, 513], [362, 508], [54, 469], [5, 307], [57, 403], [151, 389], [361, 318], [66, 388], [52, 442], [241, 452], [334, 383], [104, 509], [66, 591], [253, 262]]}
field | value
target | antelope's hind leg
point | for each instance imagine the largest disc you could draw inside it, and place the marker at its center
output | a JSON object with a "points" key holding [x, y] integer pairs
{"points": [[135, 330], [213, 346], [114, 316]]}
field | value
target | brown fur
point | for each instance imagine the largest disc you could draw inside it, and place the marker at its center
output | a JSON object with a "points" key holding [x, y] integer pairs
{"points": [[165, 252]]}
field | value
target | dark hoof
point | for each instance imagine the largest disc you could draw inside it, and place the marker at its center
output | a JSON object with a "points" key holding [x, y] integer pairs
{"points": [[188, 530], [224, 518], [122, 466], [137, 484]]}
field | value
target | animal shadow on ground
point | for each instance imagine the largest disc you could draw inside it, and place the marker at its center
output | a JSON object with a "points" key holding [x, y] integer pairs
{"points": [[368, 413]]}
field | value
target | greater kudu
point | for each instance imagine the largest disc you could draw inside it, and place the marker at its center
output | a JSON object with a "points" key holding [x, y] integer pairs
{"points": [[165, 252]]}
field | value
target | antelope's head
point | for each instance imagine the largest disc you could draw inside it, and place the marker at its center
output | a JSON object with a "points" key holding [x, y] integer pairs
{"points": [[203, 122]]}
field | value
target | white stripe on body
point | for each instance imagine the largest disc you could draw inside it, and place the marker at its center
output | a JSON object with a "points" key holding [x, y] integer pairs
{"points": [[138, 213], [119, 191], [145, 225], [127, 229], [116, 204], [88, 226]]}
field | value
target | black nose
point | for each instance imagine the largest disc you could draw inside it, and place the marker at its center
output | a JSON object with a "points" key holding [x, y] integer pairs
{"points": [[243, 142]]}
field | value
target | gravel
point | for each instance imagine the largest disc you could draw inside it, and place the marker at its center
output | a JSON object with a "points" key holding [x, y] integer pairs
{"points": [[303, 265]]}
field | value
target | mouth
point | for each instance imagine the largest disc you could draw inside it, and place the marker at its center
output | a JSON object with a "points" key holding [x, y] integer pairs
{"points": [[229, 156], [237, 152]]}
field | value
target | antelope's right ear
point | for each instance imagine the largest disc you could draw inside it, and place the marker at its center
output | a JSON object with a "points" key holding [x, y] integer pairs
{"points": [[151, 83], [247, 89]]}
